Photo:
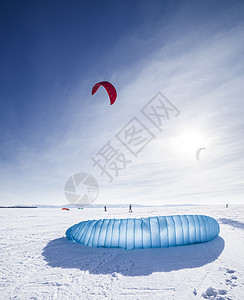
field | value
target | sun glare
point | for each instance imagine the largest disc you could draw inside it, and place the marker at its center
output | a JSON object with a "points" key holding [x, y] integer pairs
{"points": [[189, 142]]}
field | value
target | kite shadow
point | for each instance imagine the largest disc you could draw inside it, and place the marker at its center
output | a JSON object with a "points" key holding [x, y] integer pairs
{"points": [[64, 253]]}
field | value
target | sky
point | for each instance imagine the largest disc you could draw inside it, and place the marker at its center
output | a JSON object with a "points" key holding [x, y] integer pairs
{"points": [[51, 127]]}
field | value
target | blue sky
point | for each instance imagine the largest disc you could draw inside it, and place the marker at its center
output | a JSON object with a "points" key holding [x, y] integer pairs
{"points": [[51, 54]]}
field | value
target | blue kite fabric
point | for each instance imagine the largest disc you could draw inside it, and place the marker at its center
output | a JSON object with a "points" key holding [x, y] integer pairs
{"points": [[152, 232]]}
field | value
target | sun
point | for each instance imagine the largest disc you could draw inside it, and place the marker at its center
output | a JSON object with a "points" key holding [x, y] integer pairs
{"points": [[188, 142]]}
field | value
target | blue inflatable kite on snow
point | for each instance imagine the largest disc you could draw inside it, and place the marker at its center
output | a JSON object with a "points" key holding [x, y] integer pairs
{"points": [[152, 232]]}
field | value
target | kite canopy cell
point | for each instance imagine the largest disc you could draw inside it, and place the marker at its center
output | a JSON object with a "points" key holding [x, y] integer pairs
{"points": [[152, 232]]}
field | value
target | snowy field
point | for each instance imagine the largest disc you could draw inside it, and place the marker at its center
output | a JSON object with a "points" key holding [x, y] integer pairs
{"points": [[38, 262]]}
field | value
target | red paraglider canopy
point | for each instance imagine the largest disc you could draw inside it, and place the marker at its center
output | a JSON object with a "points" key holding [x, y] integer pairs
{"points": [[109, 88]]}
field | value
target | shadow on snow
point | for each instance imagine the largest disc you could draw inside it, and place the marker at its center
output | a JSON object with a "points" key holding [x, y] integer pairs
{"points": [[231, 222], [64, 253]]}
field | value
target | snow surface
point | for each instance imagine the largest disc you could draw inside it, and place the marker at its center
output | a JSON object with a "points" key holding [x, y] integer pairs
{"points": [[38, 262]]}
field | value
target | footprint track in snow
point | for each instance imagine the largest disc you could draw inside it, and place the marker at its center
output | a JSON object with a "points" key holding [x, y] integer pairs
{"points": [[221, 294], [231, 281], [212, 293]]}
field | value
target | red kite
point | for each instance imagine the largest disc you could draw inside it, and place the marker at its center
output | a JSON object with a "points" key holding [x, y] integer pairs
{"points": [[109, 88]]}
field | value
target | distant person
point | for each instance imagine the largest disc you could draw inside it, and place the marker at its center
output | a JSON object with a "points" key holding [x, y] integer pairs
{"points": [[105, 208], [226, 205], [130, 209]]}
